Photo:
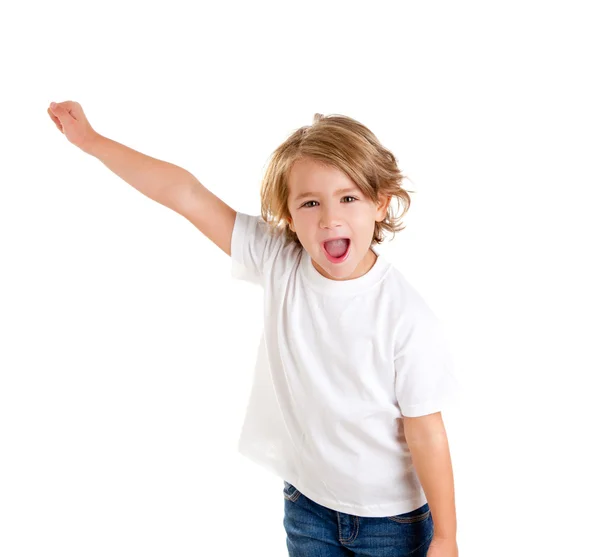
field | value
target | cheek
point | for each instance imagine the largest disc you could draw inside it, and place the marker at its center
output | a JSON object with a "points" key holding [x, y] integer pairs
{"points": [[301, 221]]}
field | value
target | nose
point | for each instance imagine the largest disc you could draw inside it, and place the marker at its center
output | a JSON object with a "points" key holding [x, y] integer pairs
{"points": [[329, 218]]}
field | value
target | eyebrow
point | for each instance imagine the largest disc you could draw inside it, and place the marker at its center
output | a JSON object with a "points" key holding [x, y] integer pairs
{"points": [[313, 194]]}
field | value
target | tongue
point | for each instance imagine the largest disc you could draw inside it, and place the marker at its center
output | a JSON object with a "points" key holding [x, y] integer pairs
{"points": [[337, 248]]}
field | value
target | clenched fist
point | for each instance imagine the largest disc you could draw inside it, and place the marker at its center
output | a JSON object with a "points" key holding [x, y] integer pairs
{"points": [[70, 120]]}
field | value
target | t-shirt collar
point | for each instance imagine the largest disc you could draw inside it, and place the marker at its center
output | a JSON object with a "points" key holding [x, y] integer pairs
{"points": [[343, 287]]}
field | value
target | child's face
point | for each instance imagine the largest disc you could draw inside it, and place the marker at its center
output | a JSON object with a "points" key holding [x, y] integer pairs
{"points": [[328, 213]]}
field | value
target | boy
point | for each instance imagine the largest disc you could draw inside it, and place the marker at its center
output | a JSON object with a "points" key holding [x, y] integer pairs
{"points": [[352, 369]]}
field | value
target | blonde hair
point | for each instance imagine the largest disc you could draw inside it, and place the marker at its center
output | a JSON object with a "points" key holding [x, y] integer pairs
{"points": [[348, 145]]}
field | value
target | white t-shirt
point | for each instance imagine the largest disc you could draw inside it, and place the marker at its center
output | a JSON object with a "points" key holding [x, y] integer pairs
{"points": [[339, 364]]}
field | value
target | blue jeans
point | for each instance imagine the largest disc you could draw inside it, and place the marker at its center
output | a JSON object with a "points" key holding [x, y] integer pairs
{"points": [[316, 531]]}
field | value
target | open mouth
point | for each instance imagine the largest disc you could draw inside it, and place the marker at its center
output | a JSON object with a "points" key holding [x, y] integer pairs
{"points": [[337, 250]]}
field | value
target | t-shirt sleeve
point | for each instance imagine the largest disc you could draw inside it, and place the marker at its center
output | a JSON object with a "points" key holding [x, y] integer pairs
{"points": [[253, 248], [424, 369]]}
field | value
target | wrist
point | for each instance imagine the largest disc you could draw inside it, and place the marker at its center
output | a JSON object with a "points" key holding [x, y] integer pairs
{"points": [[443, 536], [90, 145]]}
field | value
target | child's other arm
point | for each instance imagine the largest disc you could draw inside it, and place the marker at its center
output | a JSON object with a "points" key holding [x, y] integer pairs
{"points": [[165, 183], [428, 444]]}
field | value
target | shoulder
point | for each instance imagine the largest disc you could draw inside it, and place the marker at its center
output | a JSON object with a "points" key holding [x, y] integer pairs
{"points": [[411, 319], [254, 230], [409, 300], [259, 249]]}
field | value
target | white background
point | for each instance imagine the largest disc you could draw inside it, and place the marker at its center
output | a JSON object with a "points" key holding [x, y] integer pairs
{"points": [[127, 351]]}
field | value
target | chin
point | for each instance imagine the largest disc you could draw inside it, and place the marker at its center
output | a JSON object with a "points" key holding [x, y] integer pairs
{"points": [[338, 272]]}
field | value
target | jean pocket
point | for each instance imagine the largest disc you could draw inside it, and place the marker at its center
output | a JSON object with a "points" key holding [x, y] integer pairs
{"points": [[290, 492], [418, 515]]}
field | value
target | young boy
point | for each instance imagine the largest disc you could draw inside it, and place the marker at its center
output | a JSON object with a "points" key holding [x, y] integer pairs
{"points": [[353, 369]]}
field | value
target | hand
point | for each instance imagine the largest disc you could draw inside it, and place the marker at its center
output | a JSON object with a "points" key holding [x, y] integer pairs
{"points": [[71, 121], [442, 547]]}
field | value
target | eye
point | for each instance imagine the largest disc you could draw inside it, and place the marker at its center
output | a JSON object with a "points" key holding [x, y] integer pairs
{"points": [[345, 197]]}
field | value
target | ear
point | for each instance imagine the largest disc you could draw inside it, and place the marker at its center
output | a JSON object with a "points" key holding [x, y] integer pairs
{"points": [[382, 207], [290, 223]]}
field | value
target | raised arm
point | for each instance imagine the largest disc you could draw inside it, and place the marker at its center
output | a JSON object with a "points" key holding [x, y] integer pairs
{"points": [[166, 183]]}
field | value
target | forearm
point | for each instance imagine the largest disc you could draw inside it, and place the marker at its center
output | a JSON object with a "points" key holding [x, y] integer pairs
{"points": [[431, 457], [156, 179]]}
